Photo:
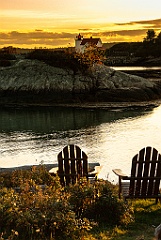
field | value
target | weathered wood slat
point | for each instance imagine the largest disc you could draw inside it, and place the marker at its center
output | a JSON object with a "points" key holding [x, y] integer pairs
{"points": [[152, 171], [141, 158], [145, 173], [66, 164], [158, 174], [73, 174]]}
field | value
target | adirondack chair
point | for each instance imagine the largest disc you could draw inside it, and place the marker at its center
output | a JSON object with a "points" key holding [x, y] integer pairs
{"points": [[145, 176], [72, 165]]}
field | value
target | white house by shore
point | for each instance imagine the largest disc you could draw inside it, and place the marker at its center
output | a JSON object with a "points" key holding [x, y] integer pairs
{"points": [[82, 43]]}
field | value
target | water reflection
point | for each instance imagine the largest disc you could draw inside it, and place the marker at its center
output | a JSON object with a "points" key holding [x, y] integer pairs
{"points": [[31, 136], [136, 68], [46, 120]]}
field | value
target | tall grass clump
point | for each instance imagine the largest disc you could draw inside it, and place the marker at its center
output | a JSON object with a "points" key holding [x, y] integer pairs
{"points": [[100, 203]]}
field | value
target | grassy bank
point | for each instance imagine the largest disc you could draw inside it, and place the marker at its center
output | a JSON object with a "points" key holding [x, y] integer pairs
{"points": [[147, 215], [33, 205]]}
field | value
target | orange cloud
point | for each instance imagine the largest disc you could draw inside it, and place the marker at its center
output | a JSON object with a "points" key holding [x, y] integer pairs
{"points": [[156, 23], [41, 38]]}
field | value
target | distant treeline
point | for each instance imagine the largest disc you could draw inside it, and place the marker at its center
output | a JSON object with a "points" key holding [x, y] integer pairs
{"points": [[150, 46]]}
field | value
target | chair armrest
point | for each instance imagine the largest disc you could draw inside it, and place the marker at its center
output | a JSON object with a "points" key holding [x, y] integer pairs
{"points": [[53, 171], [96, 170], [123, 187], [119, 173]]}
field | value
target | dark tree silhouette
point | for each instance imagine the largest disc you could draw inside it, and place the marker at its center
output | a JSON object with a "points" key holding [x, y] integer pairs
{"points": [[150, 36]]}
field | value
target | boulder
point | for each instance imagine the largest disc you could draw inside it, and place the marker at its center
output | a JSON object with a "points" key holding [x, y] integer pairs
{"points": [[34, 81]]}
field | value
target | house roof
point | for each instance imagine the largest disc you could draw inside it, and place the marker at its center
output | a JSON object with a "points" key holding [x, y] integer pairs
{"points": [[90, 40]]}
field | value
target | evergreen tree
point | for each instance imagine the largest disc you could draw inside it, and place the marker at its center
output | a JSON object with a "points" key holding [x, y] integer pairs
{"points": [[150, 36]]}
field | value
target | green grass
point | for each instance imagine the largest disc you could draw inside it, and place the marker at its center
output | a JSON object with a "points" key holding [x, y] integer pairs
{"points": [[147, 214]]}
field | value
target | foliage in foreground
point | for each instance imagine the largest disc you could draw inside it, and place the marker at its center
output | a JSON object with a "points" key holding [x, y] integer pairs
{"points": [[33, 205]]}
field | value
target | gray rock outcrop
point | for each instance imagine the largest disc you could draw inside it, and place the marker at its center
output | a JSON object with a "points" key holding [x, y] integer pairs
{"points": [[101, 83]]}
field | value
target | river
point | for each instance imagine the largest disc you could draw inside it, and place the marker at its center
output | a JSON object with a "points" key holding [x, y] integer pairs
{"points": [[111, 137]]}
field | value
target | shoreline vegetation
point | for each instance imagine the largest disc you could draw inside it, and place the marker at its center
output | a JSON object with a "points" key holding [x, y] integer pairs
{"points": [[33, 205], [103, 105]]}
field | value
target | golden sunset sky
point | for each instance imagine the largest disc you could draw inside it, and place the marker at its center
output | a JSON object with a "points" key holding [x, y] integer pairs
{"points": [[55, 23]]}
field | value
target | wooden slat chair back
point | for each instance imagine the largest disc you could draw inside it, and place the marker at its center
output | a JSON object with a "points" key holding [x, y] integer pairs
{"points": [[145, 176], [72, 165]]}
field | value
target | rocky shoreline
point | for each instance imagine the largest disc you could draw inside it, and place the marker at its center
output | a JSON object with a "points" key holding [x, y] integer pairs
{"points": [[48, 167], [31, 82], [133, 61]]}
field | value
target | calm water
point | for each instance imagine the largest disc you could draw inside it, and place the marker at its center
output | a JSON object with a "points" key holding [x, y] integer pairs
{"points": [[137, 68], [112, 138]]}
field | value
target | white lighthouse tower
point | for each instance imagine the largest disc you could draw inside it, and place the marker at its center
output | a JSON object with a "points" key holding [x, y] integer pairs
{"points": [[78, 41]]}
